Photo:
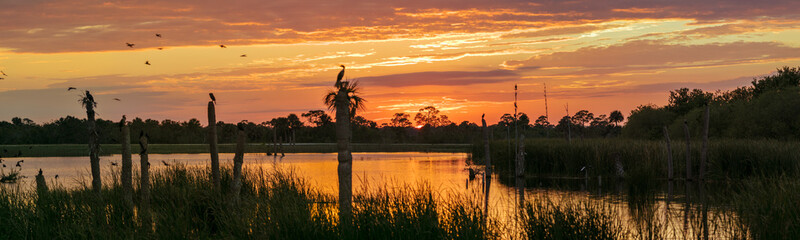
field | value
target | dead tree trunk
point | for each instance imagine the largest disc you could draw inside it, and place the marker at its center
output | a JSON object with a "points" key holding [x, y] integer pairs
{"points": [[669, 154], [127, 164], [521, 157], [704, 151], [238, 160], [212, 144], [144, 187], [688, 151], [94, 145]]}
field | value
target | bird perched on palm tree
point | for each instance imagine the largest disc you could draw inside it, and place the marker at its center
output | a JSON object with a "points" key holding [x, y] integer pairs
{"points": [[213, 99], [351, 91], [89, 99], [339, 78]]}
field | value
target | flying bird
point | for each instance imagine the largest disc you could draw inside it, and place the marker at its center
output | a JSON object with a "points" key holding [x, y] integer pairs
{"points": [[213, 99], [4, 74], [113, 164], [117, 99], [20, 161], [158, 34], [222, 46], [161, 48], [56, 176], [71, 88], [165, 163], [130, 45], [243, 55], [341, 75], [147, 63]]}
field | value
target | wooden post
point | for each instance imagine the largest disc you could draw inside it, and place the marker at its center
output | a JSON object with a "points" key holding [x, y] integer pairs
{"points": [[94, 144], [41, 184], [688, 151], [704, 151], [238, 160], [212, 144], [144, 181], [669, 154], [127, 164], [487, 166]]}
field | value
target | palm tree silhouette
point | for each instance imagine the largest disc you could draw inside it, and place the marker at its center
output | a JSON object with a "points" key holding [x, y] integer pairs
{"points": [[344, 100]]}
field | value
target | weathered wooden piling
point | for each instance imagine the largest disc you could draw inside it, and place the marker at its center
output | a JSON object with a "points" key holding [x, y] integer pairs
{"points": [[212, 144], [238, 160], [704, 151], [669, 154], [688, 151], [126, 175]]}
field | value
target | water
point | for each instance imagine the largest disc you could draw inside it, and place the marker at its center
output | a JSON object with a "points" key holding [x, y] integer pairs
{"points": [[672, 211]]}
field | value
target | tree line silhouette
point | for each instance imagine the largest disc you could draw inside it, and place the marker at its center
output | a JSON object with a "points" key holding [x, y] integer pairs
{"points": [[765, 109]]}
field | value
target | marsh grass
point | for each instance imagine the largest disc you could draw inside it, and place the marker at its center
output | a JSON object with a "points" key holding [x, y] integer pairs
{"points": [[543, 218], [274, 204]]}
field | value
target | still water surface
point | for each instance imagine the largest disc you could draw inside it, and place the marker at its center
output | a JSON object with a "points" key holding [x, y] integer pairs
{"points": [[663, 211]]}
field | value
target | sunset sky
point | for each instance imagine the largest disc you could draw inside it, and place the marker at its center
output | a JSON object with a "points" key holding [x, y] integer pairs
{"points": [[461, 56]]}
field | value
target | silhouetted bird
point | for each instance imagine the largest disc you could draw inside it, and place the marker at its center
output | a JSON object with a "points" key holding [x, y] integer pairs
{"points": [[122, 122], [89, 96], [213, 99], [161, 48], [165, 163], [158, 35], [56, 176], [117, 99], [222, 46], [4, 74], [40, 171], [4, 165], [243, 55], [113, 164], [341, 75], [130, 44], [71, 88], [19, 163], [147, 62]]}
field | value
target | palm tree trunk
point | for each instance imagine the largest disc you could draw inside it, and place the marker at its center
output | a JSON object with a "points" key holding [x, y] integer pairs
{"points": [[704, 151], [126, 175], [238, 160], [345, 157], [144, 188], [212, 144], [94, 150], [669, 154]]}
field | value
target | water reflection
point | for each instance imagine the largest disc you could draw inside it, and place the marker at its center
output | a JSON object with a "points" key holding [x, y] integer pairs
{"points": [[647, 209]]}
